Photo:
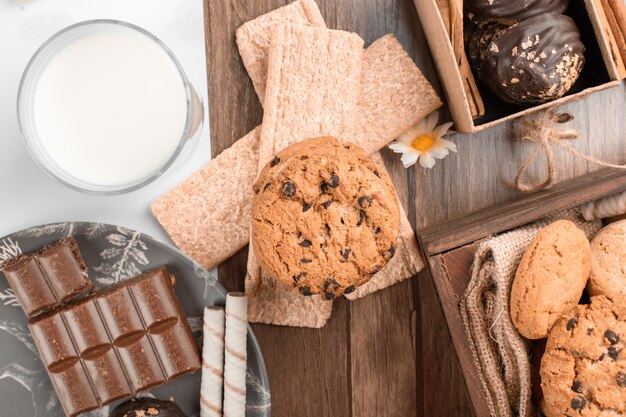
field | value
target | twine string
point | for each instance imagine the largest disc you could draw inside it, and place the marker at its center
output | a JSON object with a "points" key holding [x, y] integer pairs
{"points": [[544, 131]]}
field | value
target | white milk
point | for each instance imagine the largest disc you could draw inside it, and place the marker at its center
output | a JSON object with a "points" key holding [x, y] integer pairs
{"points": [[110, 107]]}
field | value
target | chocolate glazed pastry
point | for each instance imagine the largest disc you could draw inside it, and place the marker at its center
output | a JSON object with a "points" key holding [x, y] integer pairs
{"points": [[534, 61], [514, 10], [480, 40], [147, 407]]}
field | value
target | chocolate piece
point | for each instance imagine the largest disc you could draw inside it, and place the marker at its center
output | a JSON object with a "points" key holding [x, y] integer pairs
{"points": [[535, 61], [289, 189], [611, 337], [49, 277], [147, 407], [482, 36], [514, 10], [112, 344], [571, 323]]}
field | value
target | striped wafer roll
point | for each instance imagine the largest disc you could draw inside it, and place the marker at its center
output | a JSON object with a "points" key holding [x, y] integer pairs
{"points": [[235, 355], [212, 362]]}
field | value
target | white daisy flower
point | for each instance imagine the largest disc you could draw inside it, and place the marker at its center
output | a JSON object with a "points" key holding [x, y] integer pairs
{"points": [[424, 142]]}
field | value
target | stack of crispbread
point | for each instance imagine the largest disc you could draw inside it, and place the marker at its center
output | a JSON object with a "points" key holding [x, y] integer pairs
{"points": [[312, 82]]}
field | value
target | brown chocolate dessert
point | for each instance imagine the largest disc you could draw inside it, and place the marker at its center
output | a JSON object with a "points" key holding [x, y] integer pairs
{"points": [[514, 10], [147, 407], [481, 38], [49, 277], [534, 61], [115, 343]]}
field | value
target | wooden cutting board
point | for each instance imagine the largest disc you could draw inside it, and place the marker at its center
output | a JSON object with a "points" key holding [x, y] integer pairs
{"points": [[365, 361]]}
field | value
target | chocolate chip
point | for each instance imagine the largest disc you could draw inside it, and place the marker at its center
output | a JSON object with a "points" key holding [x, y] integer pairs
{"points": [[579, 402], [324, 187], [297, 277], [571, 323], [345, 253], [329, 296], [289, 189], [306, 291], [361, 218], [611, 337], [621, 378], [613, 353], [365, 201], [334, 180], [349, 289], [377, 230], [327, 204], [306, 207], [306, 243], [306, 261], [275, 161], [392, 251], [329, 282], [377, 173], [589, 331], [577, 386], [266, 186]]}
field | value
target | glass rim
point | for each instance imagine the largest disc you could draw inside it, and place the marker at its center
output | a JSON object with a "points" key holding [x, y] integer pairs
{"points": [[29, 141]]}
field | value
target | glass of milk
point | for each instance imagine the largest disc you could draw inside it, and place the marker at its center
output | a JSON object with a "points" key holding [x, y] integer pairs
{"points": [[105, 107]]}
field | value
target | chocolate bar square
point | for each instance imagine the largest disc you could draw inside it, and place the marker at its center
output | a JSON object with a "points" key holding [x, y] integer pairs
{"points": [[116, 342], [49, 277]]}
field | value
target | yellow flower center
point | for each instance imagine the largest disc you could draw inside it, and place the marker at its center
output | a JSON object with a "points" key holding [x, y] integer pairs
{"points": [[423, 142]]}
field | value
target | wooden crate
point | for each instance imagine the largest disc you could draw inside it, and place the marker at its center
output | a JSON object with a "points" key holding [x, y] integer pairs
{"points": [[604, 68], [449, 250]]}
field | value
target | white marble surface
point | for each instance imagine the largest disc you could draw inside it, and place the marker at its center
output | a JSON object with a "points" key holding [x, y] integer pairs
{"points": [[28, 196]]}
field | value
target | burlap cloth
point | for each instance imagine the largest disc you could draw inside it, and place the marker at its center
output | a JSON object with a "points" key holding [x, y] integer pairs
{"points": [[500, 353]]}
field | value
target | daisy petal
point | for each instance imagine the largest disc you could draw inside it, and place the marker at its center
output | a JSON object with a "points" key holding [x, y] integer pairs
{"points": [[399, 147], [441, 130], [409, 159], [447, 144], [431, 121], [439, 153], [427, 161], [405, 138]]}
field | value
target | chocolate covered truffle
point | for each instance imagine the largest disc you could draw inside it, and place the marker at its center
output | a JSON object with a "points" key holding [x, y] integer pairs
{"points": [[147, 407], [514, 10], [534, 61], [478, 43]]}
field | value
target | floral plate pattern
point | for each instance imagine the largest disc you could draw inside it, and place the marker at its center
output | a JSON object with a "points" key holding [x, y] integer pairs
{"points": [[112, 254]]}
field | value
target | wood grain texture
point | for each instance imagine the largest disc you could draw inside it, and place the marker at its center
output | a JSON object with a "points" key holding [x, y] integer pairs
{"points": [[390, 352]]}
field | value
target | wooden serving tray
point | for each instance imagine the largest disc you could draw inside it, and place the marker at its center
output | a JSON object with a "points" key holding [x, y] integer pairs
{"points": [[450, 246]]}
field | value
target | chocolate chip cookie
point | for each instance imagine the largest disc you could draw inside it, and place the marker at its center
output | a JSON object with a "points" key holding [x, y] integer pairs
{"points": [[608, 253], [583, 371], [325, 218]]}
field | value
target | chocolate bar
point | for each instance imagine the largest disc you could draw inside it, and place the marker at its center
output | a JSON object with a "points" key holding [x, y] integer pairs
{"points": [[115, 343], [49, 277]]}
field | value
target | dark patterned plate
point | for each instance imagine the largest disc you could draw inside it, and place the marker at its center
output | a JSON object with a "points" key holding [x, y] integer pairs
{"points": [[112, 254]]}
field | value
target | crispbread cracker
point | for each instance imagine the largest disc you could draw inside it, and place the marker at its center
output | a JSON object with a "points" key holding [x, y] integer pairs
{"points": [[309, 68], [405, 263], [394, 95], [253, 37], [272, 302], [237, 208], [208, 215], [313, 81]]}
